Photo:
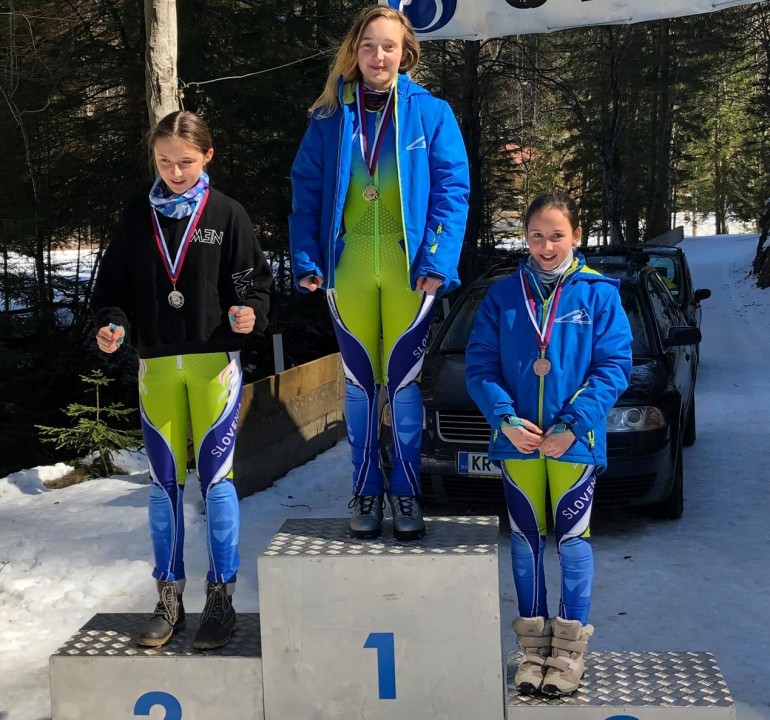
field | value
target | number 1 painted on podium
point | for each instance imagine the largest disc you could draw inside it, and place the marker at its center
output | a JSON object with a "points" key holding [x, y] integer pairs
{"points": [[385, 645]]}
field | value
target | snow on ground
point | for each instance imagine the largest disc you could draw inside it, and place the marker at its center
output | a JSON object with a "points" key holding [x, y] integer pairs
{"points": [[701, 583]]}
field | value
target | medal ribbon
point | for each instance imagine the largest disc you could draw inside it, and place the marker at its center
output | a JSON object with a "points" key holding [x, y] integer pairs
{"points": [[174, 269], [544, 333], [372, 156]]}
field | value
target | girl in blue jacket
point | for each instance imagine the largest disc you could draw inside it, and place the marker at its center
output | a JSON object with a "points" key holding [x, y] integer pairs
{"points": [[549, 354], [380, 187]]}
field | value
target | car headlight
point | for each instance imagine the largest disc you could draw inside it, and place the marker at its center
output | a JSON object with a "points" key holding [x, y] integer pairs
{"points": [[634, 419]]}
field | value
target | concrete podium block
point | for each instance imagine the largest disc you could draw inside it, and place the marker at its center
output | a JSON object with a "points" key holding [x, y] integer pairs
{"points": [[378, 629], [634, 686], [102, 673]]}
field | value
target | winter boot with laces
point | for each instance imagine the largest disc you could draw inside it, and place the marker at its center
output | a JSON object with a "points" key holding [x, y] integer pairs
{"points": [[534, 638], [217, 620], [565, 667], [168, 617], [366, 516], [408, 523]]}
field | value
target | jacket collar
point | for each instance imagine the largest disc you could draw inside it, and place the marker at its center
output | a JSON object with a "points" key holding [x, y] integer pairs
{"points": [[405, 87]]}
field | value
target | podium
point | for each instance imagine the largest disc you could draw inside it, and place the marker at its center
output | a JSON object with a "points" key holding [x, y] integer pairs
{"points": [[375, 630], [102, 673], [633, 686], [367, 630]]}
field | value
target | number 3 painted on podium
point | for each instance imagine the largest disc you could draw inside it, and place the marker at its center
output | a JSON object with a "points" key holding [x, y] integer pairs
{"points": [[385, 645], [168, 702]]}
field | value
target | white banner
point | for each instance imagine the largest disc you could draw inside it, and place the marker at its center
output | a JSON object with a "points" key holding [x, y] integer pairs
{"points": [[477, 19]]}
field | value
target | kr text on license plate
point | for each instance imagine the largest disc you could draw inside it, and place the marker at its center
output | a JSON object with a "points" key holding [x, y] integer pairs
{"points": [[469, 463]]}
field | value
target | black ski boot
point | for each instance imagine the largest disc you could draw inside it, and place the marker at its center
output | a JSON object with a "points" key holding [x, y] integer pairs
{"points": [[167, 619], [217, 620]]}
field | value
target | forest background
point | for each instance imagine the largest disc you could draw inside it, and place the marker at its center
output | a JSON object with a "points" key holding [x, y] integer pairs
{"points": [[640, 122]]}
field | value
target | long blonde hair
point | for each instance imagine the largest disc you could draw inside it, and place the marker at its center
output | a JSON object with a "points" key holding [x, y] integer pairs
{"points": [[346, 60]]}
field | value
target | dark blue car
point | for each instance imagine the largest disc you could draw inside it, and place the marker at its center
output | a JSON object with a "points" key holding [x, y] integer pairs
{"points": [[647, 428]]}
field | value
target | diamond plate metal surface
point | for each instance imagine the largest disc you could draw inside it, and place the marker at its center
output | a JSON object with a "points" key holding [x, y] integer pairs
{"points": [[329, 536], [112, 635], [638, 679]]}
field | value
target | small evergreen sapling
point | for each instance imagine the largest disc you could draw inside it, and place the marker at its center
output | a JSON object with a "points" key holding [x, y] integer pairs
{"points": [[91, 436]]}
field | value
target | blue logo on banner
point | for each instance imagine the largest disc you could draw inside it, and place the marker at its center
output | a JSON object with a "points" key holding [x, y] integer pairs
{"points": [[426, 15]]}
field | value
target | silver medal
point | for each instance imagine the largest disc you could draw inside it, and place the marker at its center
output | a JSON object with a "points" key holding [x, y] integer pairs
{"points": [[175, 299]]}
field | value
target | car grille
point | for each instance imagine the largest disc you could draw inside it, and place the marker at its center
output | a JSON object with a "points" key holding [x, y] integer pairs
{"points": [[463, 428], [623, 491]]}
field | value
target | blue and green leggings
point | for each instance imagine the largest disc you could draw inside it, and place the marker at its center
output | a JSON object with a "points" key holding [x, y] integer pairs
{"points": [[382, 328], [571, 488], [205, 390]]}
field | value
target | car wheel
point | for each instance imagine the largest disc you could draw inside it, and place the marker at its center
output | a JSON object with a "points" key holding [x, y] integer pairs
{"points": [[688, 437], [673, 506]]}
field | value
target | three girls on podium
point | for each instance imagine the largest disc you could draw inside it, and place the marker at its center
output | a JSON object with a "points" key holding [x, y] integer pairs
{"points": [[380, 190]]}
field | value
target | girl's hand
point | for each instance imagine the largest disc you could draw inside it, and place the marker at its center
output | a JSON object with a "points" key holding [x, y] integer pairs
{"points": [[428, 284], [526, 437], [244, 318], [109, 337], [311, 282], [555, 444]]}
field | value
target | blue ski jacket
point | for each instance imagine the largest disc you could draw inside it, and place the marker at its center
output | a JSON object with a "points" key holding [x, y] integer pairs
{"points": [[589, 352], [433, 180]]}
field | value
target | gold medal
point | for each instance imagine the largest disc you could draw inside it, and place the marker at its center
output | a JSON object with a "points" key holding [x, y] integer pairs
{"points": [[371, 193], [542, 367], [175, 299]]}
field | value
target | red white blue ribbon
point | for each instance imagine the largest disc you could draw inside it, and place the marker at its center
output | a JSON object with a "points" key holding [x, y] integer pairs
{"points": [[174, 268], [371, 152]]}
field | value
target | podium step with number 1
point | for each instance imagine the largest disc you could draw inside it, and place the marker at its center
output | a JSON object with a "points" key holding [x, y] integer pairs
{"points": [[382, 629]]}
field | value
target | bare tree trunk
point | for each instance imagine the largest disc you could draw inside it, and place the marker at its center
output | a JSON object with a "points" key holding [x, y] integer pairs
{"points": [[160, 58]]}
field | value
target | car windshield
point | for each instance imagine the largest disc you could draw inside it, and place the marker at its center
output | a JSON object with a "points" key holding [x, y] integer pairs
{"points": [[629, 297], [667, 269], [457, 334]]}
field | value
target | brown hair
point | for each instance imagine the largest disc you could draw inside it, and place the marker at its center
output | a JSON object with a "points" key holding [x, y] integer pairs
{"points": [[555, 199], [345, 62], [186, 126]]}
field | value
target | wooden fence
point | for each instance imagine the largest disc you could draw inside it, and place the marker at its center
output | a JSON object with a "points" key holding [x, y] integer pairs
{"points": [[286, 420]]}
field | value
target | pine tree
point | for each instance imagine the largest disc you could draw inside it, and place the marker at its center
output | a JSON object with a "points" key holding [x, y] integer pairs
{"points": [[92, 436]]}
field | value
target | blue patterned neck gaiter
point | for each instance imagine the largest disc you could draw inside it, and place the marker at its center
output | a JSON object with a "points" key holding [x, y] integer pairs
{"points": [[173, 205]]}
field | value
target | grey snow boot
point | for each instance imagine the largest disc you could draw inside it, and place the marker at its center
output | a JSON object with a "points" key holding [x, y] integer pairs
{"points": [[534, 638], [167, 619], [408, 523], [366, 516], [565, 667]]}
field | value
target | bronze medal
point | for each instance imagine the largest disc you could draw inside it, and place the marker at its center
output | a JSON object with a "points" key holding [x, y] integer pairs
{"points": [[371, 193], [542, 367], [175, 299]]}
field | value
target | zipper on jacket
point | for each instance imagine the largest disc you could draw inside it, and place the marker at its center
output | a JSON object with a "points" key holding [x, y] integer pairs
{"points": [[541, 354], [332, 234], [400, 188], [578, 391], [376, 180]]}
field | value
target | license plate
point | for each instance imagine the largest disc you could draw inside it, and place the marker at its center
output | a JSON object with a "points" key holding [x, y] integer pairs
{"points": [[475, 464]]}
